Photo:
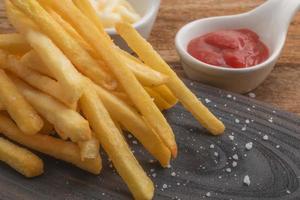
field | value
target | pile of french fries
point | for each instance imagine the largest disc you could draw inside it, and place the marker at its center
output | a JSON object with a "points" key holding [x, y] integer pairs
{"points": [[66, 90]]}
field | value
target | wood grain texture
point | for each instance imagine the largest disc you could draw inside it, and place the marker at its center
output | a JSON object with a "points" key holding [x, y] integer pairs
{"points": [[281, 89], [201, 169]]}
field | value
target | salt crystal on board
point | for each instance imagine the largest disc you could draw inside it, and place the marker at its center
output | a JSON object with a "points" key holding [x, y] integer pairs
{"points": [[247, 180], [249, 145], [252, 95], [265, 137], [235, 157]]}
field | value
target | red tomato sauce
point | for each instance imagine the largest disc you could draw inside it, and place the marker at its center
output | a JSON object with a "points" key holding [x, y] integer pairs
{"points": [[238, 48]]}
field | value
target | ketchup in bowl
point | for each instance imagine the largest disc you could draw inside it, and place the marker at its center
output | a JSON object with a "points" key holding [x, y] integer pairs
{"points": [[238, 48]]}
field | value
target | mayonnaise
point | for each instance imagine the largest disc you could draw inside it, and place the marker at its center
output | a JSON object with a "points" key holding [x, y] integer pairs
{"points": [[113, 11]]}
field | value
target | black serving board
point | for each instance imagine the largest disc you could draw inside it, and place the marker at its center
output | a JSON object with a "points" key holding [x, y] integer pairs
{"points": [[198, 173]]}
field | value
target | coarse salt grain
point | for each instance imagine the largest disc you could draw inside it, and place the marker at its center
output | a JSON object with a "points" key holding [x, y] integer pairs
{"points": [[265, 137], [231, 137], [173, 174], [216, 154], [212, 146], [208, 194], [228, 170], [234, 164], [229, 95], [247, 121], [249, 145], [277, 146], [252, 95], [165, 186], [235, 157], [237, 121], [247, 180], [207, 100]]}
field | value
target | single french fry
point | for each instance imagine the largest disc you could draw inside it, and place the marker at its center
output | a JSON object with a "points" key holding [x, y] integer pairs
{"points": [[33, 78], [31, 60], [166, 94], [115, 146], [63, 118], [146, 75], [20, 159], [53, 57], [110, 55], [89, 149], [161, 103], [54, 147], [18, 108], [78, 55], [87, 9], [14, 43], [147, 54], [134, 123]]}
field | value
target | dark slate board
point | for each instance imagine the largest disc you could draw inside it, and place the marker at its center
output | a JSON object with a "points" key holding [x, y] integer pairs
{"points": [[272, 165]]}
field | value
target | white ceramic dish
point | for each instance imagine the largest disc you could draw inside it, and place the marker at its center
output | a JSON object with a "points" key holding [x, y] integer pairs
{"points": [[148, 10], [270, 21]]}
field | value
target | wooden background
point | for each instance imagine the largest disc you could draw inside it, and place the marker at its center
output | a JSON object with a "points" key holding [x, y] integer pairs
{"points": [[282, 88]]}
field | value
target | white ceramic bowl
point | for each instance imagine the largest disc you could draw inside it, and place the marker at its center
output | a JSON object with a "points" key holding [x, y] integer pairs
{"points": [[270, 21], [148, 10]]}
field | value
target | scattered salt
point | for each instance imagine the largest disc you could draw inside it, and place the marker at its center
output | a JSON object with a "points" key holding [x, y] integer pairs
{"points": [[173, 174], [234, 164], [247, 121], [228, 170], [249, 145], [247, 180], [235, 157], [265, 137], [231, 137], [270, 120], [208, 194], [207, 100], [216, 154], [229, 95], [237, 121], [134, 142], [277, 146], [165, 186], [154, 175], [212, 146], [288, 192], [252, 95], [244, 128], [129, 136]]}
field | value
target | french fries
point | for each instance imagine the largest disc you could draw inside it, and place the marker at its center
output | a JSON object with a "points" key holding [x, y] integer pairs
{"points": [[134, 123], [63, 118], [18, 108], [62, 150], [146, 52], [35, 79], [136, 92], [84, 91], [77, 55], [14, 43], [20, 159], [115, 146]]}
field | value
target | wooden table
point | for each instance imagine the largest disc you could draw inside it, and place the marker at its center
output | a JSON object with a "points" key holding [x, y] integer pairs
{"points": [[282, 88]]}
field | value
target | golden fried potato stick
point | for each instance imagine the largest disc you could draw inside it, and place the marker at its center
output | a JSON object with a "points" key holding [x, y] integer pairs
{"points": [[166, 94], [78, 55], [89, 149], [134, 123], [20, 159], [146, 53], [160, 102], [115, 145], [72, 32], [18, 108], [51, 146], [31, 60], [126, 78], [53, 57], [63, 118], [14, 43], [33, 78]]}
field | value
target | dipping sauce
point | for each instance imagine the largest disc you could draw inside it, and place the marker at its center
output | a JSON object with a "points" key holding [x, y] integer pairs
{"points": [[238, 48]]}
